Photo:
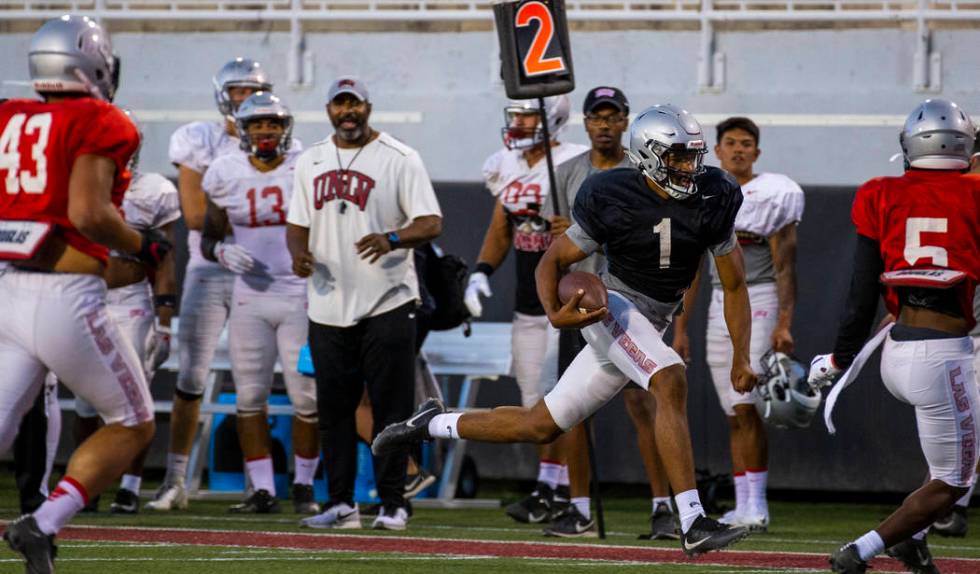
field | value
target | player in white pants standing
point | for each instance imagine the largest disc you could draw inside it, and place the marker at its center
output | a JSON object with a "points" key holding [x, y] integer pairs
{"points": [[517, 177], [151, 202], [206, 297], [766, 229], [268, 318]]}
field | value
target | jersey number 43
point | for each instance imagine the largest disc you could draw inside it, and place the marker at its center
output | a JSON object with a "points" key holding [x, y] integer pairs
{"points": [[10, 160]]}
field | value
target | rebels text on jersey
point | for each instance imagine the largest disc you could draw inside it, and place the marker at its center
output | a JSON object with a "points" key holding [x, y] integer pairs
{"points": [[39, 143], [924, 220], [654, 245], [256, 204]]}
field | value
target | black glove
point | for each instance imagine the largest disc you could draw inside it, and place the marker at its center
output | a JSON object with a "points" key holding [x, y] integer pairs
{"points": [[154, 247]]}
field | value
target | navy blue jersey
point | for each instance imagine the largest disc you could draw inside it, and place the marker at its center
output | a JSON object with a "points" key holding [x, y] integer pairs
{"points": [[654, 245]]}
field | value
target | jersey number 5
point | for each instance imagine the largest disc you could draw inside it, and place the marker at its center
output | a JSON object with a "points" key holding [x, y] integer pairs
{"points": [[914, 250], [663, 230], [10, 153], [279, 217]]}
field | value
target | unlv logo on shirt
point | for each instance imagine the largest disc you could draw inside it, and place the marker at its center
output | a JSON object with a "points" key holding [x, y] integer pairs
{"points": [[352, 186]]}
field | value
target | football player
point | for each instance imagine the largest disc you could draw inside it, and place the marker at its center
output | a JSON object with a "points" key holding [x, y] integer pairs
{"points": [[766, 230], [517, 177], [268, 318], [150, 203], [606, 111], [655, 222], [918, 234], [954, 522], [63, 164], [206, 297]]}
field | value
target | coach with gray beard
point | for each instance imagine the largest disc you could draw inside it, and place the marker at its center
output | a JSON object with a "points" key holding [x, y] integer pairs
{"points": [[361, 201]]}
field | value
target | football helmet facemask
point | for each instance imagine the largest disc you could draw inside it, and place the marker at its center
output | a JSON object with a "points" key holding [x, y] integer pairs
{"points": [[788, 400], [263, 105], [557, 108], [667, 145]]}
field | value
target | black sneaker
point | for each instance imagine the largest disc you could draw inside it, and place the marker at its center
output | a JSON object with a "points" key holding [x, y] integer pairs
{"points": [[664, 525], [954, 524], [569, 523], [126, 502], [93, 505], [416, 483], [303, 502], [846, 560], [560, 500], [261, 502], [533, 508], [707, 534], [412, 430], [915, 555], [24, 537]]}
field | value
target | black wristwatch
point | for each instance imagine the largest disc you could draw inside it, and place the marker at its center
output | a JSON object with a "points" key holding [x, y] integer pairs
{"points": [[393, 239]]}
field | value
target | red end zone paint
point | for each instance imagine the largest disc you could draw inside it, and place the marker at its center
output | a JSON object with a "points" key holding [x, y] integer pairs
{"points": [[399, 544]]}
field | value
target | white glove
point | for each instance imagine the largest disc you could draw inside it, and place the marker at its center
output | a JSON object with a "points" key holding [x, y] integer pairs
{"points": [[234, 258], [477, 286], [157, 349], [823, 371]]}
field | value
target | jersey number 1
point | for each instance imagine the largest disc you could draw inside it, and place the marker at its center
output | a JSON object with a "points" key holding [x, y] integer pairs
{"points": [[663, 230], [10, 153]]}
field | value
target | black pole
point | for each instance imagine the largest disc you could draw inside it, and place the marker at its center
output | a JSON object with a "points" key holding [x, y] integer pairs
{"points": [[547, 155]]}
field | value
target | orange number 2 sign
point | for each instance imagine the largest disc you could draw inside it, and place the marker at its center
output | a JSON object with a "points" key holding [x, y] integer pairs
{"points": [[535, 64]]}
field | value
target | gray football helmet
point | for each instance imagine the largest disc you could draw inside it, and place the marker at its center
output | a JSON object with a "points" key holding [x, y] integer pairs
{"points": [[938, 134], [661, 137], [264, 105], [557, 108], [240, 72], [134, 161], [788, 401], [73, 54]]}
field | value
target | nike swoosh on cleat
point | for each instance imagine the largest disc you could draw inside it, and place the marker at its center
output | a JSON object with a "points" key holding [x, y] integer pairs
{"points": [[410, 423], [531, 517], [693, 546], [580, 528], [345, 516]]}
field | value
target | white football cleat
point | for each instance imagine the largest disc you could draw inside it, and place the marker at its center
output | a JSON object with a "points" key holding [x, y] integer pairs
{"points": [[755, 522], [391, 518], [169, 496], [340, 516], [731, 518]]}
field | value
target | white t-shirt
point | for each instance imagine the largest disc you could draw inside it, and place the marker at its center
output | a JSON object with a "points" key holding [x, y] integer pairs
{"points": [[256, 205], [195, 146], [770, 201], [386, 187]]}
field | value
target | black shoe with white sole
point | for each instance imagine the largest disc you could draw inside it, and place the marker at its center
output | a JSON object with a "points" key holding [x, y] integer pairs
{"points": [[954, 524], [126, 502], [570, 523], [663, 525], [535, 507], [412, 430], [260, 502], [707, 534], [846, 560], [38, 549], [915, 555]]}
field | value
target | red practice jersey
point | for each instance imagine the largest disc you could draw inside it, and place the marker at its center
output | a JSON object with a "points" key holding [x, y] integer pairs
{"points": [[924, 220], [39, 143]]}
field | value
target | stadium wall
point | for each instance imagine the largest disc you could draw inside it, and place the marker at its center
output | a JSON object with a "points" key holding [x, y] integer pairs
{"points": [[831, 97]]}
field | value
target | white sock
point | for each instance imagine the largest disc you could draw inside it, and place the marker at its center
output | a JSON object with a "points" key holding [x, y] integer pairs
{"points": [[964, 501], [563, 476], [741, 493], [689, 507], [662, 500], [921, 535], [261, 473], [444, 426], [869, 545], [131, 482], [548, 471], [176, 468], [583, 504], [305, 469], [65, 501], [757, 491]]}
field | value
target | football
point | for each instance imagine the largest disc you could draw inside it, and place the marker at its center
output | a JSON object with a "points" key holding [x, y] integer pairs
{"points": [[595, 297]]}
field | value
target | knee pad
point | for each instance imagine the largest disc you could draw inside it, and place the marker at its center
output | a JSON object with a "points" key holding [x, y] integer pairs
{"points": [[248, 414], [188, 390], [251, 398], [308, 419]]}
